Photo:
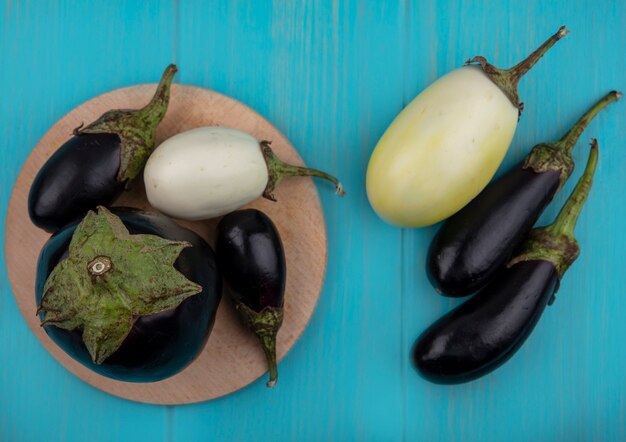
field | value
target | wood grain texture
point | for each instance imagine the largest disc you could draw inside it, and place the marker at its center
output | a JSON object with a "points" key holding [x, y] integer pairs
{"points": [[57, 55], [320, 71], [232, 357], [563, 384], [331, 76]]}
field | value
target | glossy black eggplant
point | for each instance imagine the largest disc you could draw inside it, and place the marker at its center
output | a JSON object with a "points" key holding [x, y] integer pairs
{"points": [[475, 242], [485, 331], [159, 345], [251, 258], [93, 167], [488, 329]]}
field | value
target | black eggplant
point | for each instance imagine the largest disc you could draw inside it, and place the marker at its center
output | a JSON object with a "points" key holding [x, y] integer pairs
{"points": [[172, 309], [251, 258], [475, 242], [485, 331], [93, 167]]}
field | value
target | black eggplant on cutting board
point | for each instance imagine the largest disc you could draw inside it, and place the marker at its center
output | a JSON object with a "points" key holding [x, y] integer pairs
{"points": [[475, 242], [169, 312], [485, 331], [251, 257], [93, 167]]}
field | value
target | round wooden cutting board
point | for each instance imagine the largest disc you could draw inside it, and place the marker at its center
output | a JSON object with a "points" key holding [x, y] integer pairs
{"points": [[232, 358]]}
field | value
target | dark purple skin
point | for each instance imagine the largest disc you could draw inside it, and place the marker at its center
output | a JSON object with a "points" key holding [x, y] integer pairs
{"points": [[476, 241], [159, 345], [485, 331], [252, 259], [79, 176]]}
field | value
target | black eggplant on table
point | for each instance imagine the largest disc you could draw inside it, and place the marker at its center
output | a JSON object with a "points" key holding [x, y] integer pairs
{"points": [[93, 167], [251, 258], [485, 331], [129, 294], [475, 242]]}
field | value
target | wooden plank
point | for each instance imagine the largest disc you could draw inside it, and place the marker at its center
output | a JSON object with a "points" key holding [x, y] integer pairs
{"points": [[567, 382], [55, 56], [329, 76]]}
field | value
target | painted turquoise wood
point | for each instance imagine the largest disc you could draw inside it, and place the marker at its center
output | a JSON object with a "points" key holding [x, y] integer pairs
{"points": [[329, 48], [56, 56], [567, 382], [331, 76]]}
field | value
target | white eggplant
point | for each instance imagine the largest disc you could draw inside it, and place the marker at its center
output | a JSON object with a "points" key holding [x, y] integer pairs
{"points": [[447, 144], [210, 171]]}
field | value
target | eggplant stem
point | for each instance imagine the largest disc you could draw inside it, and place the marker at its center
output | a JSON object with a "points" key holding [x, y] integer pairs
{"points": [[136, 128], [521, 68], [155, 110], [568, 216], [277, 170], [567, 142], [265, 325], [508, 79], [268, 342]]}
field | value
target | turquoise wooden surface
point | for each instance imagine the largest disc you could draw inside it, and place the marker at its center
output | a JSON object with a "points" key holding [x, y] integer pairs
{"points": [[331, 76]]}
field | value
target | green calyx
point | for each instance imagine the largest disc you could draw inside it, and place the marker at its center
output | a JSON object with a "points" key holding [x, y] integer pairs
{"points": [[547, 157], [135, 127], [109, 280], [557, 156], [265, 325], [556, 243], [508, 79], [277, 170], [543, 245]]}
